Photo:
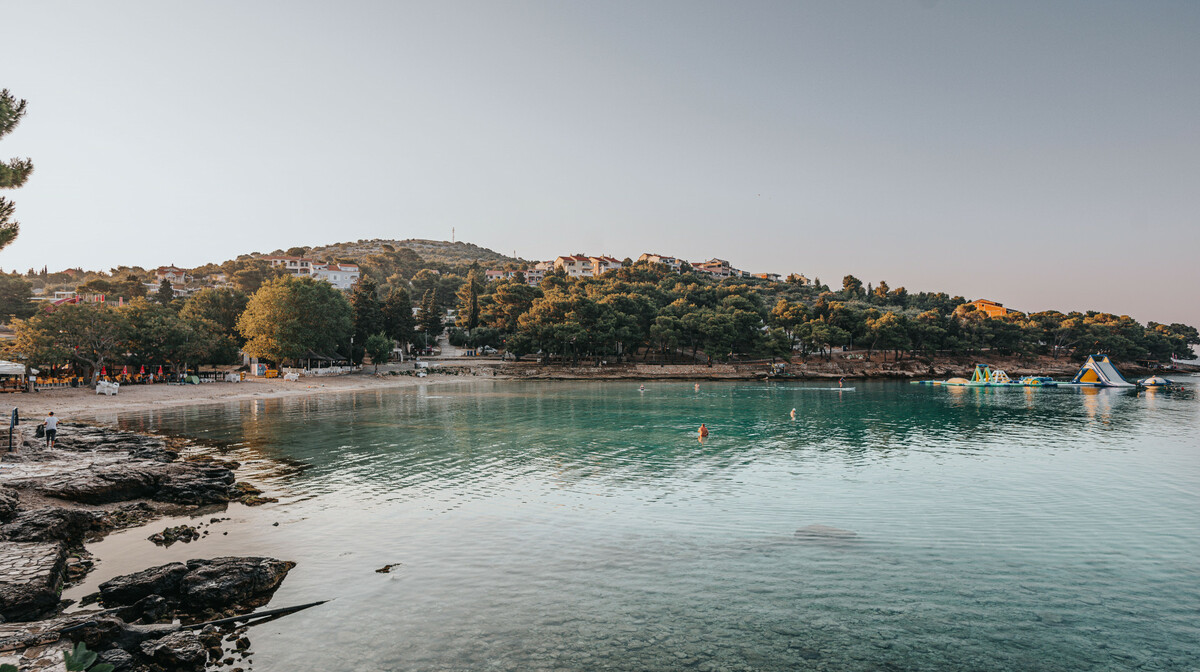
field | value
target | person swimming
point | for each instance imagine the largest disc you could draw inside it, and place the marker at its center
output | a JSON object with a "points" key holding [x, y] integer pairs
{"points": [[696, 387], [793, 414], [703, 430], [641, 388]]}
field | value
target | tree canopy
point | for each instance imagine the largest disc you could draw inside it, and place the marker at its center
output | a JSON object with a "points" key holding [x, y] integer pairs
{"points": [[289, 317]]}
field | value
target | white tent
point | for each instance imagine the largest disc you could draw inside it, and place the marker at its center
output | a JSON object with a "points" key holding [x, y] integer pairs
{"points": [[8, 368]]}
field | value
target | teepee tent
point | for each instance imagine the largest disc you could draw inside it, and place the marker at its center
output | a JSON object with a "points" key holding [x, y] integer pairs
{"points": [[1098, 370]]}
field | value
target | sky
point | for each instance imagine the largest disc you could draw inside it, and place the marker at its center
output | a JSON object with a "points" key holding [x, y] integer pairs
{"points": [[1044, 155]]}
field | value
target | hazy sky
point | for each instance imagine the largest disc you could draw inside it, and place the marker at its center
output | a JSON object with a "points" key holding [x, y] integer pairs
{"points": [[1046, 155]]}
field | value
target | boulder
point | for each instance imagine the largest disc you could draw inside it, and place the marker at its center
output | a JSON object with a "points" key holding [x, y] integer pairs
{"points": [[119, 659], [130, 588], [31, 575], [192, 483], [223, 582], [104, 483], [181, 483], [8, 503], [181, 650], [199, 585], [52, 524]]}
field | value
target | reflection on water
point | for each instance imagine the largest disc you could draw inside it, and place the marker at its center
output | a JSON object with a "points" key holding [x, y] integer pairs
{"points": [[581, 526]]}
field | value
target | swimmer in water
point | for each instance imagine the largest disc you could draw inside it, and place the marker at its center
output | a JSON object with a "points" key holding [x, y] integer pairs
{"points": [[641, 388], [703, 430], [793, 414], [697, 387]]}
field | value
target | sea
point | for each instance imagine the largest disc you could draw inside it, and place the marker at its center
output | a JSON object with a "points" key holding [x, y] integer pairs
{"points": [[585, 526]]}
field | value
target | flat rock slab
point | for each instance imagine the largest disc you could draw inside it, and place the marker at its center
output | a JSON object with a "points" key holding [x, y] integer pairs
{"points": [[183, 483], [31, 574]]}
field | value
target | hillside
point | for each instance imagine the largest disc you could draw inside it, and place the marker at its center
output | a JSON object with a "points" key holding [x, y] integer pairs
{"points": [[433, 251]]}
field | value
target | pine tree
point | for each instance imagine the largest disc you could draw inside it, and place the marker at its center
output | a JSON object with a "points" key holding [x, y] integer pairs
{"points": [[166, 294], [14, 173], [398, 316], [429, 316], [468, 301], [368, 316]]}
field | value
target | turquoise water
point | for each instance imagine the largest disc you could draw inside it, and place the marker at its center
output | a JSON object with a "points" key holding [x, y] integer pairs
{"points": [[582, 526]]}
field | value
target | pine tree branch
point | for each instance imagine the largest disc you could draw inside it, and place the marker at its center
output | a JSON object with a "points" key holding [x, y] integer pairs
{"points": [[14, 173], [11, 111]]}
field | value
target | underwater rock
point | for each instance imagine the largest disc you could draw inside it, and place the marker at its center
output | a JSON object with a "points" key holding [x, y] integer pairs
{"points": [[826, 534]]}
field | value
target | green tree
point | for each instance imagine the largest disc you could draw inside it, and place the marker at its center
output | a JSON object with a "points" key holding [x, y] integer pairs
{"points": [[368, 316], [165, 294], [429, 316], [14, 173], [507, 303], [379, 349], [157, 334], [468, 301], [852, 287], [220, 307], [289, 317], [14, 297], [250, 274], [398, 319], [88, 333]]}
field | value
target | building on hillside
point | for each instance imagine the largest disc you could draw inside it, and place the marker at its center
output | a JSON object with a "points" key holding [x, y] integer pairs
{"points": [[293, 265], [990, 308], [575, 265], [544, 266], [675, 263], [533, 276], [718, 268], [171, 274], [341, 276], [773, 277], [604, 264]]}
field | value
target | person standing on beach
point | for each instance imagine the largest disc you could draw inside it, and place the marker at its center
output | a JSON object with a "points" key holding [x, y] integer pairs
{"points": [[51, 425]]}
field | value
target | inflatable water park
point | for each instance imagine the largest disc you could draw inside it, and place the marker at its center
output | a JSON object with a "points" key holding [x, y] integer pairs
{"points": [[1097, 371]]}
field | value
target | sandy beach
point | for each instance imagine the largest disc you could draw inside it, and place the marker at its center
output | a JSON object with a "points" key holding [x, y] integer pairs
{"points": [[81, 403]]}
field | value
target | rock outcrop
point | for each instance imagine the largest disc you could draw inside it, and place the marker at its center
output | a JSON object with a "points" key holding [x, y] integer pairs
{"points": [[200, 585], [241, 581], [181, 650], [182, 483], [9, 501], [52, 524], [31, 575], [130, 588]]}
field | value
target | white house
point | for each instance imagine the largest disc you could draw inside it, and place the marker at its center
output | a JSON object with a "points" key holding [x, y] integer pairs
{"points": [[575, 265], [341, 276], [293, 265]]}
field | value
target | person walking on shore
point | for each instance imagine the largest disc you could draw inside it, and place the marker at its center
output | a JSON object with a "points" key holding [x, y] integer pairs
{"points": [[51, 425]]}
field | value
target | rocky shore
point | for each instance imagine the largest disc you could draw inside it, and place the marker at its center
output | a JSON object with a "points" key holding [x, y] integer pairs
{"points": [[96, 480]]}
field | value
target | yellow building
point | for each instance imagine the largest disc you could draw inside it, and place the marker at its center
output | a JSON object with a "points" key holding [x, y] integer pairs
{"points": [[990, 308]]}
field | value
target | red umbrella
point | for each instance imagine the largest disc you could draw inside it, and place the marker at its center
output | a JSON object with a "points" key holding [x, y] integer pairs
{"points": [[160, 369], [104, 370]]}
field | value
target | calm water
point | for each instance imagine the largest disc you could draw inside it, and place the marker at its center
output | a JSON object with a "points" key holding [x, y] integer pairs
{"points": [[566, 526]]}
